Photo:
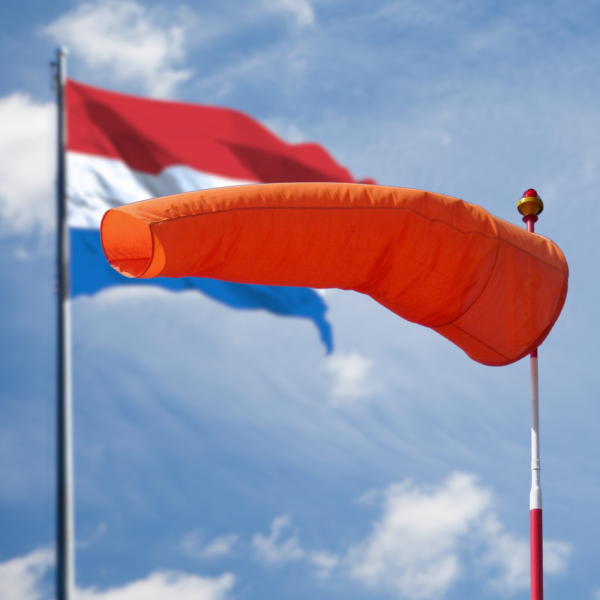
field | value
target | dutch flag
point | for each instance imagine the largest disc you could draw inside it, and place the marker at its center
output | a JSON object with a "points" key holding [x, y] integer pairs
{"points": [[123, 149]]}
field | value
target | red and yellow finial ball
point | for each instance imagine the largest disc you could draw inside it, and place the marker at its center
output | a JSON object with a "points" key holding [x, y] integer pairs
{"points": [[530, 204]]}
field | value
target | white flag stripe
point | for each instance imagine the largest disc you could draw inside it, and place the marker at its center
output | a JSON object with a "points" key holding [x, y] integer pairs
{"points": [[96, 184]]}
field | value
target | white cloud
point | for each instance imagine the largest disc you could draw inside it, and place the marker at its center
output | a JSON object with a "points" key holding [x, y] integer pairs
{"points": [[129, 40], [300, 10], [351, 377], [26, 163], [418, 547], [414, 547], [193, 545], [272, 549], [21, 577], [508, 553], [166, 584]]}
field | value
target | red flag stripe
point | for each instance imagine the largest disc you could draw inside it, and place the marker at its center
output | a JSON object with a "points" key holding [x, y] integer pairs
{"points": [[150, 135]]}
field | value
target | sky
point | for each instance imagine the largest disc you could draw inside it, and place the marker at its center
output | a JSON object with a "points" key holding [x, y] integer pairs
{"points": [[221, 454]]}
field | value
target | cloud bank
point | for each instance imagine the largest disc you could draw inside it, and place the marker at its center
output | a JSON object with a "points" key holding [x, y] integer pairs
{"points": [[22, 578], [422, 543], [130, 41], [26, 163], [165, 584]]}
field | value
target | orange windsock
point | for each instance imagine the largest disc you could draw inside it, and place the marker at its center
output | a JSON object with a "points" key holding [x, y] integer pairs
{"points": [[488, 286]]}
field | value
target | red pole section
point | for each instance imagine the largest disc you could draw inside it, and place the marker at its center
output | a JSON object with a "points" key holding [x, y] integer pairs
{"points": [[530, 206], [535, 497]]}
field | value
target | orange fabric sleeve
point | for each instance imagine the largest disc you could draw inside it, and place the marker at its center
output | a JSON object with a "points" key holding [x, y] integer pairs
{"points": [[490, 287]]}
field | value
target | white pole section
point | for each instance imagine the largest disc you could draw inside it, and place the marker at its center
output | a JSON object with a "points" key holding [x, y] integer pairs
{"points": [[535, 496]]}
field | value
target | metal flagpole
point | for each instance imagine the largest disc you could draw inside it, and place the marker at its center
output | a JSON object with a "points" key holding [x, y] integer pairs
{"points": [[530, 206], [65, 564]]}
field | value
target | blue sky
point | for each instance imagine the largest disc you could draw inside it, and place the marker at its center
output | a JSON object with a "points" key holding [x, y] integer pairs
{"points": [[220, 454]]}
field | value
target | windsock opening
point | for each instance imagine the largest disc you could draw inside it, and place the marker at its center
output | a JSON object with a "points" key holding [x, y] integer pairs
{"points": [[127, 243]]}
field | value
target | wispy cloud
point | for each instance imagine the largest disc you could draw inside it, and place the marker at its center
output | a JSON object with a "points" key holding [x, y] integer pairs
{"points": [[324, 562], [300, 10], [277, 548], [97, 534], [194, 545], [556, 556], [273, 549], [510, 556], [351, 377], [26, 163], [130, 41], [21, 579]]}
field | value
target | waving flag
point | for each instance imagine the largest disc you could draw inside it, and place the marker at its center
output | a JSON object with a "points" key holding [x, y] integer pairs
{"points": [[122, 149]]}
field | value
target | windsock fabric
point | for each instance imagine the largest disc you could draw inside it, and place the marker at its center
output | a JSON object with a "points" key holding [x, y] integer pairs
{"points": [[488, 286], [122, 149]]}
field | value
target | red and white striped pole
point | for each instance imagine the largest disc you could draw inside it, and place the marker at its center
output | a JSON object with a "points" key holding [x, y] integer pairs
{"points": [[530, 206]]}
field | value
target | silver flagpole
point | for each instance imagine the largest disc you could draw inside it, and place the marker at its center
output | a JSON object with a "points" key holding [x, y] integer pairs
{"points": [[65, 563]]}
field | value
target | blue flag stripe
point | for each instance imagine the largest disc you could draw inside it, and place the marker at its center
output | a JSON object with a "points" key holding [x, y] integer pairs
{"points": [[90, 273]]}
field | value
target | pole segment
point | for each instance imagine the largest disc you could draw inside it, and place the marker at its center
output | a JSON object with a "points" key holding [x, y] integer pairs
{"points": [[65, 563], [530, 206]]}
